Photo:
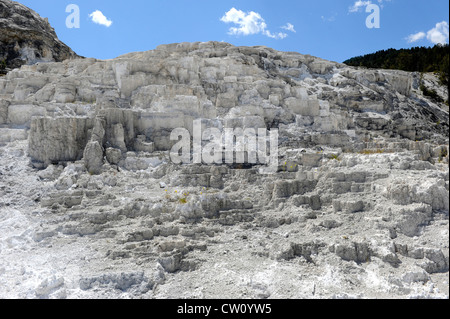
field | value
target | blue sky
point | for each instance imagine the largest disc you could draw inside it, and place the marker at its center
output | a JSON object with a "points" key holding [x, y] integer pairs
{"points": [[331, 29]]}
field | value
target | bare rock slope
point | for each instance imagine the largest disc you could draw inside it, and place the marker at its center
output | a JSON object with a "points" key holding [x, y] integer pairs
{"points": [[92, 205], [26, 38]]}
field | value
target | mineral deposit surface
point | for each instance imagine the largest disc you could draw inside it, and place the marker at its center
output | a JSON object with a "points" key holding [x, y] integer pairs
{"points": [[92, 206]]}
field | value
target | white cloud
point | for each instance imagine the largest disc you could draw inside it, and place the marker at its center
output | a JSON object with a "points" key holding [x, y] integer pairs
{"points": [[329, 19], [278, 35], [289, 27], [439, 34], [359, 4], [99, 18], [249, 24], [415, 37]]}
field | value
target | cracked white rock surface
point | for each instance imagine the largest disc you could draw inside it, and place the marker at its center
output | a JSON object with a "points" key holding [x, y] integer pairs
{"points": [[357, 209]]}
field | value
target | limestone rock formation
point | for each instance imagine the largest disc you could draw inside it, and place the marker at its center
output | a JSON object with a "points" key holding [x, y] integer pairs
{"points": [[26, 38], [148, 94], [92, 204]]}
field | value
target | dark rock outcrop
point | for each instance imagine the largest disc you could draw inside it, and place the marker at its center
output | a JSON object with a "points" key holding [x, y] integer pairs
{"points": [[26, 38]]}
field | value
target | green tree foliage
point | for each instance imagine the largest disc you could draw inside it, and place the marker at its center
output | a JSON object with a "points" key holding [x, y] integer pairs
{"points": [[418, 59], [443, 72]]}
